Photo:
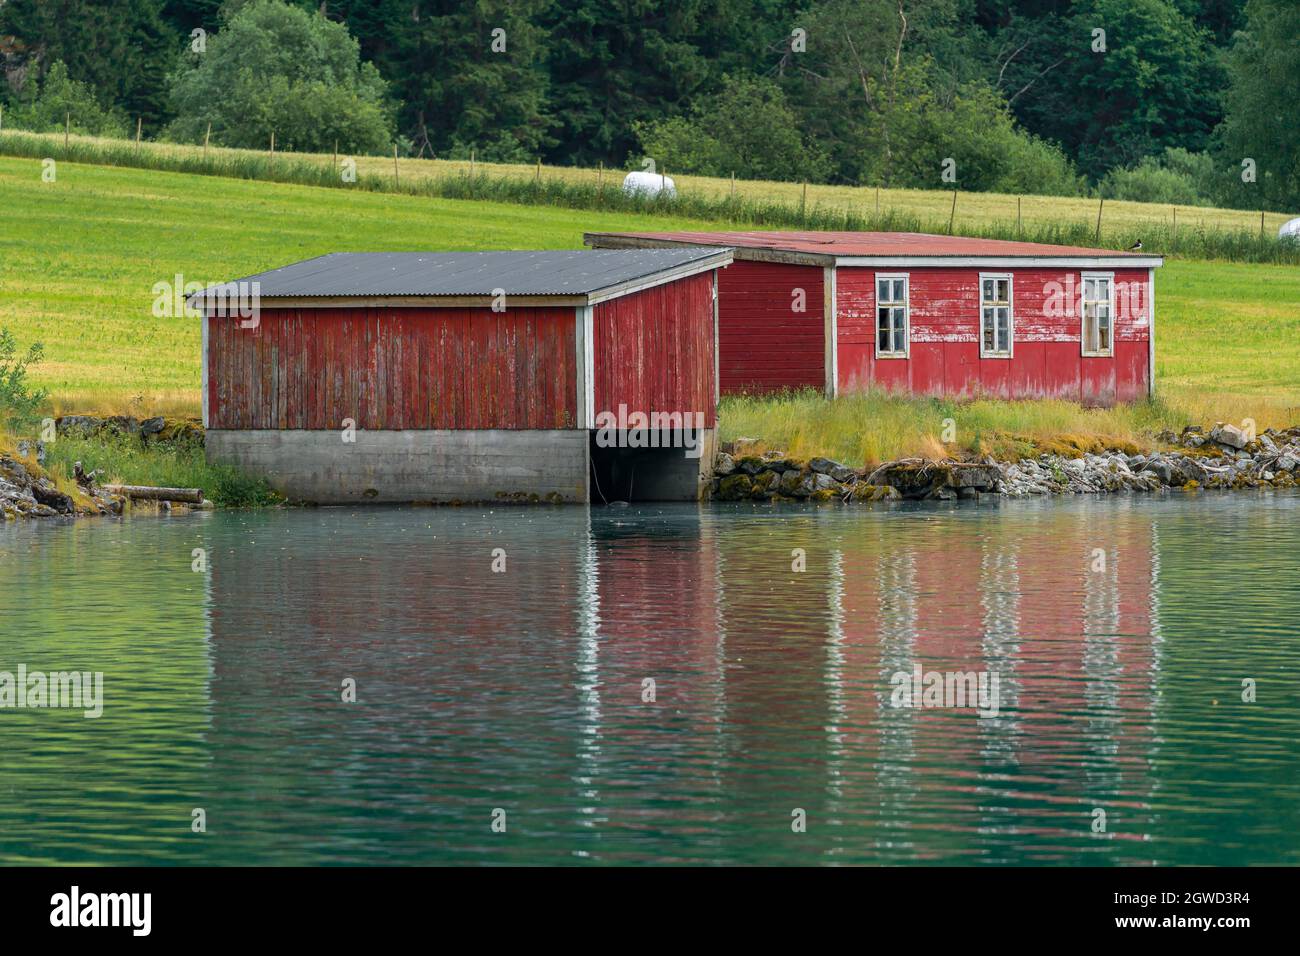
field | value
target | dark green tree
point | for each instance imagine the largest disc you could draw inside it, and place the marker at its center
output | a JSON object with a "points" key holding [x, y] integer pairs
{"points": [[1262, 98], [61, 102], [746, 128], [273, 68], [1156, 84], [123, 49]]}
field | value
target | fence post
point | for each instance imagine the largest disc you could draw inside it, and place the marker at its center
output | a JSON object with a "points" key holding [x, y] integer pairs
{"points": [[272, 145], [1175, 229], [1101, 204], [1020, 223], [733, 185], [471, 164], [207, 136], [397, 179], [1261, 224], [67, 130], [803, 206], [139, 128], [952, 216]]}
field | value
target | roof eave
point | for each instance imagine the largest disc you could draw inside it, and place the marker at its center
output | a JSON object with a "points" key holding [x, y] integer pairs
{"points": [[720, 259], [1068, 261]]}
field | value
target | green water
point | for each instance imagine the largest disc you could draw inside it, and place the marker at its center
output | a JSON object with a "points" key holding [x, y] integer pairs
{"points": [[523, 691]]}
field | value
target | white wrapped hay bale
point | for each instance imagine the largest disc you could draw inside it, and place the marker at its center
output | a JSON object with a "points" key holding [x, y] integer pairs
{"points": [[649, 184]]}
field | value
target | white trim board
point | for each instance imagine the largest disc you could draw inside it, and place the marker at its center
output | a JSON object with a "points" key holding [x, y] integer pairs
{"points": [[831, 332]]}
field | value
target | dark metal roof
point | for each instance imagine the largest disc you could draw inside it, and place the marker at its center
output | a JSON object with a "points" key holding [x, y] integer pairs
{"points": [[826, 247], [560, 273]]}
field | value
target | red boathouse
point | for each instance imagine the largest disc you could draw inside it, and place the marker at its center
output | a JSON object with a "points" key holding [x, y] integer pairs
{"points": [[482, 376], [930, 315]]}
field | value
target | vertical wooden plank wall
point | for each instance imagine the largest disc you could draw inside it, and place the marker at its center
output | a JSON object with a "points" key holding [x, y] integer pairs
{"points": [[400, 368]]}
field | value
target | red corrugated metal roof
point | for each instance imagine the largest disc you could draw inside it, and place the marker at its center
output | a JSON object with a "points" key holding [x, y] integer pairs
{"points": [[884, 244]]}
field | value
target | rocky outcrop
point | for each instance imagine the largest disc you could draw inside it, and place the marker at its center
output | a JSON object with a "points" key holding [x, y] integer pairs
{"points": [[156, 429], [1225, 457], [27, 492]]}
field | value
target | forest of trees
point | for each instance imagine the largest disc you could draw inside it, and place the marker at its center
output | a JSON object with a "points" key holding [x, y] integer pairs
{"points": [[1183, 101]]}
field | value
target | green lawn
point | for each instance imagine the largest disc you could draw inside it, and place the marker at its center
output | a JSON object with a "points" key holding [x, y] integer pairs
{"points": [[79, 259]]}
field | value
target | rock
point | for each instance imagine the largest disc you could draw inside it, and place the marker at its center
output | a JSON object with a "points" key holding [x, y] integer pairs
{"points": [[790, 482], [824, 482], [152, 426], [805, 486], [865, 492], [919, 478], [823, 466], [844, 474], [765, 485], [981, 477], [44, 492], [750, 464], [735, 487], [1229, 435], [779, 461], [1287, 462], [122, 424], [82, 424], [14, 470], [723, 465], [1191, 469]]}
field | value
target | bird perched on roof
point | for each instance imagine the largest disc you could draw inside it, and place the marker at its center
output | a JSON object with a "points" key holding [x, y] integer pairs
{"points": [[1136, 246]]}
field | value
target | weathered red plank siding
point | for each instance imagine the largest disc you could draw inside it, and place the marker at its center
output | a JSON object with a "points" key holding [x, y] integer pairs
{"points": [[764, 344], [654, 350], [395, 369], [944, 343]]}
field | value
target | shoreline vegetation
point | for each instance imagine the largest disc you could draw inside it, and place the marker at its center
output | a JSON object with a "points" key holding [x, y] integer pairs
{"points": [[73, 475], [1204, 232]]}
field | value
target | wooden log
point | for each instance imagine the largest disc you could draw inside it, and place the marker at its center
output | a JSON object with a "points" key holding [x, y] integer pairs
{"points": [[191, 496]]}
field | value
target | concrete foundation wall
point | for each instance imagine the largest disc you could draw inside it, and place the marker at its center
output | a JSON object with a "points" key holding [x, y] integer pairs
{"points": [[403, 466]]}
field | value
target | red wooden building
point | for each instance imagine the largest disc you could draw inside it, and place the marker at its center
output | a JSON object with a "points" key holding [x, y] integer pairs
{"points": [[933, 315], [468, 376]]}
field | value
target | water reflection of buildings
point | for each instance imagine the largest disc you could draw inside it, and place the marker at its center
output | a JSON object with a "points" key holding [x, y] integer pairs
{"points": [[772, 687], [797, 668]]}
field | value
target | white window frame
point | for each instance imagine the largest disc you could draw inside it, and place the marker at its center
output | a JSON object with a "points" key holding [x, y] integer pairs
{"points": [[1083, 317], [905, 352], [1011, 315]]}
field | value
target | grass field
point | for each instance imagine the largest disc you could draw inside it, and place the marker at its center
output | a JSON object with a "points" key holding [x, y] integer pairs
{"points": [[79, 259], [1234, 235]]}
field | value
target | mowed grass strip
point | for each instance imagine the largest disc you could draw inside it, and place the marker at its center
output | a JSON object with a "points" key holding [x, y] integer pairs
{"points": [[80, 257], [974, 211]]}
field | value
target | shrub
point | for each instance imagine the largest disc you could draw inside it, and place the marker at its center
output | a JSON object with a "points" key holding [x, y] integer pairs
{"points": [[19, 403], [61, 102]]}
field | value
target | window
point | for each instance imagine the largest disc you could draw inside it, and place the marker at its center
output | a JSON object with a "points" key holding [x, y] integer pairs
{"points": [[1098, 310], [891, 316], [995, 316]]}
